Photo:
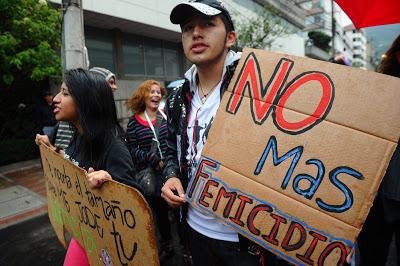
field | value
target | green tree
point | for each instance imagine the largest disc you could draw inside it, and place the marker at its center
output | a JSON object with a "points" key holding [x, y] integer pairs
{"points": [[30, 36], [320, 39], [30, 33], [260, 31]]}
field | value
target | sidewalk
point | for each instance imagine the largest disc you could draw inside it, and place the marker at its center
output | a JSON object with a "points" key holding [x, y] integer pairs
{"points": [[22, 192]]}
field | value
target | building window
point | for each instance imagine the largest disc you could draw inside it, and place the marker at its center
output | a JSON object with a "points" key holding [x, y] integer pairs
{"points": [[151, 57], [100, 48], [133, 56], [173, 59], [154, 58]]}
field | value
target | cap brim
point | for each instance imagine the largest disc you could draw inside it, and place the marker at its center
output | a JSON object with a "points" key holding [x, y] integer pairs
{"points": [[182, 12]]}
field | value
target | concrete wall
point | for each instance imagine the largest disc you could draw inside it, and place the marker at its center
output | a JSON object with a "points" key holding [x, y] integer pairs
{"points": [[154, 12]]}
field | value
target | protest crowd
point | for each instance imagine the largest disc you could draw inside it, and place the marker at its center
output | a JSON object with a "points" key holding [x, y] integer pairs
{"points": [[160, 151]]}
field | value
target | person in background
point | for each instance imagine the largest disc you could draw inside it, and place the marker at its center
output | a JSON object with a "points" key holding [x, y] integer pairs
{"points": [[383, 221], [341, 60], [107, 75], [207, 37], [87, 103], [46, 118], [63, 132], [144, 104]]}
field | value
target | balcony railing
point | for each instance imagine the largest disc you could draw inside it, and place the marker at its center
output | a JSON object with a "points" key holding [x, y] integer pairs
{"points": [[290, 11]]}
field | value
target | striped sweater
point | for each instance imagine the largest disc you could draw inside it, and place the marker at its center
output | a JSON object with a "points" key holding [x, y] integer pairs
{"points": [[140, 137]]}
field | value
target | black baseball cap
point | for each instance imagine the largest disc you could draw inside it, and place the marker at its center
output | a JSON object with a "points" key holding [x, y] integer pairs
{"points": [[207, 8]]}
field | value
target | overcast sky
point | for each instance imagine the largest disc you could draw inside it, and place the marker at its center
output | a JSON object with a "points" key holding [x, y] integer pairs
{"points": [[381, 36]]}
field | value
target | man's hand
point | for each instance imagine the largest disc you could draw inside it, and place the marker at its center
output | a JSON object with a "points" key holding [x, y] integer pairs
{"points": [[97, 178], [173, 192]]}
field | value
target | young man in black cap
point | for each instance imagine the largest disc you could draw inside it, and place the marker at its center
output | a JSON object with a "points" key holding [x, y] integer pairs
{"points": [[207, 36]]}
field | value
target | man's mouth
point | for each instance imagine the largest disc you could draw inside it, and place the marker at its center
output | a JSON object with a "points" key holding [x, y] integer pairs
{"points": [[199, 47]]}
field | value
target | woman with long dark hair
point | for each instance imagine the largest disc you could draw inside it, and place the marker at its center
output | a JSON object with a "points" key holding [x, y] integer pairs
{"points": [[86, 101]]}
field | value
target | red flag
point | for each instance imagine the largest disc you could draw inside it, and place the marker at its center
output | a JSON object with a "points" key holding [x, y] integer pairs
{"points": [[368, 13]]}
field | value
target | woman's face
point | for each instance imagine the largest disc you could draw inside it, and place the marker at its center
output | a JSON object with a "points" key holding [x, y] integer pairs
{"points": [[64, 106], [154, 97], [112, 84]]}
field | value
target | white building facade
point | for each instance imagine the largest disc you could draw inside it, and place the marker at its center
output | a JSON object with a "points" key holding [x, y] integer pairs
{"points": [[136, 40], [358, 43]]}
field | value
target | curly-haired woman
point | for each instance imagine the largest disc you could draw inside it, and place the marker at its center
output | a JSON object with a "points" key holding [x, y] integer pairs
{"points": [[141, 134]]}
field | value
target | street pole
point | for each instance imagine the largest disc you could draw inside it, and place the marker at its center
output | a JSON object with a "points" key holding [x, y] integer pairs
{"points": [[73, 40], [333, 30]]}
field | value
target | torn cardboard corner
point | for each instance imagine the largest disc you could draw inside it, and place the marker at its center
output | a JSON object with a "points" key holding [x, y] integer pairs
{"points": [[113, 223], [318, 139]]}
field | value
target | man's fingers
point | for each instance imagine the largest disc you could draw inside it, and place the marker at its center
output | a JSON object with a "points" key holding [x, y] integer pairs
{"points": [[173, 193], [180, 192], [173, 201]]}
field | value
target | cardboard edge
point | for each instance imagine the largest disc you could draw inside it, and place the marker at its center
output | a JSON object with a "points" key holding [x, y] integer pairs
{"points": [[375, 186]]}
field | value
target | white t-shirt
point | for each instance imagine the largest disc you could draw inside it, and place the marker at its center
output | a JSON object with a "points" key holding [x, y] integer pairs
{"points": [[200, 120]]}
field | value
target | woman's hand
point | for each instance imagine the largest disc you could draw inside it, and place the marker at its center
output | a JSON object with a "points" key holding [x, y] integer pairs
{"points": [[42, 139], [97, 178]]}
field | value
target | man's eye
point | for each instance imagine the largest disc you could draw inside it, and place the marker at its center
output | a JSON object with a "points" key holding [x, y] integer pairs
{"points": [[187, 28]]}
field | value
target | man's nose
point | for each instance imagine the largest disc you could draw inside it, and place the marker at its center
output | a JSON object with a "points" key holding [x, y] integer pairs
{"points": [[197, 30]]}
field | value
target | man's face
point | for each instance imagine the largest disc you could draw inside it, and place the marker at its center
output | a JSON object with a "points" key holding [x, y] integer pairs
{"points": [[205, 40]]}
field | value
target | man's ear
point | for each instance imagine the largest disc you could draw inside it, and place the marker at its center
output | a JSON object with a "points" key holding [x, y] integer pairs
{"points": [[230, 39]]}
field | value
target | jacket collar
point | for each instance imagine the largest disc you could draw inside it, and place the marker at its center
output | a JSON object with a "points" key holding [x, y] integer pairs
{"points": [[191, 74]]}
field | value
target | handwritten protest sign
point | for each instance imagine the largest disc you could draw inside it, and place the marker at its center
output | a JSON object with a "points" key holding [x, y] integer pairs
{"points": [[113, 223], [296, 154]]}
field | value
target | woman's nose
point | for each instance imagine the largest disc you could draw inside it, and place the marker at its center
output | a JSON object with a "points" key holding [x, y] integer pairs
{"points": [[56, 98]]}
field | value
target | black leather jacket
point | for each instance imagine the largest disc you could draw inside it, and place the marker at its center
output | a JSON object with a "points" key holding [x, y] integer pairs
{"points": [[177, 109]]}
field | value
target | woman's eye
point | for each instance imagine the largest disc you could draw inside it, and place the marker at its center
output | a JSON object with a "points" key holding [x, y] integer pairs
{"points": [[64, 92]]}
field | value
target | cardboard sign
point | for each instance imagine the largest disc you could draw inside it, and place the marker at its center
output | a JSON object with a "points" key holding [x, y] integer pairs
{"points": [[296, 154], [113, 223]]}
